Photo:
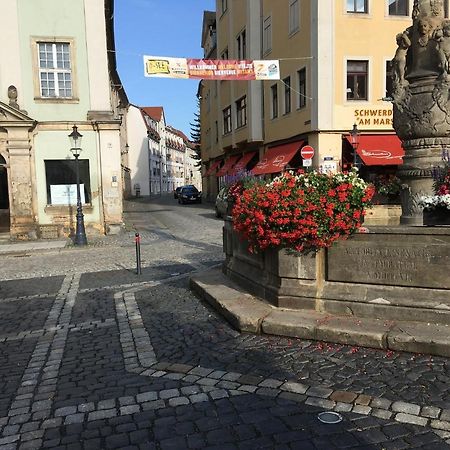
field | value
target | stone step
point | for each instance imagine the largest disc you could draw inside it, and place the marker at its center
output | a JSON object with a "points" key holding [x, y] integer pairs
{"points": [[4, 237], [248, 313]]}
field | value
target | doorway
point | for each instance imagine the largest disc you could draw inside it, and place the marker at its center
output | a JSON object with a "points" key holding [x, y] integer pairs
{"points": [[4, 197]]}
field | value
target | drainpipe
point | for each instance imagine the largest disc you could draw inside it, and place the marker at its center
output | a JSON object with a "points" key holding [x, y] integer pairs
{"points": [[100, 176]]}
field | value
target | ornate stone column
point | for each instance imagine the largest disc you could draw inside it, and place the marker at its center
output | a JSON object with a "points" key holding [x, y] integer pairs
{"points": [[23, 225], [421, 102], [18, 126]]}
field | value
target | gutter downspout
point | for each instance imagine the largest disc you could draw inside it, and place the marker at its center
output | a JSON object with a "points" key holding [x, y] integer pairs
{"points": [[100, 174]]}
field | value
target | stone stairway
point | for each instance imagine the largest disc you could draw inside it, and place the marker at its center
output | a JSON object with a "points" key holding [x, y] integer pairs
{"points": [[4, 237]]}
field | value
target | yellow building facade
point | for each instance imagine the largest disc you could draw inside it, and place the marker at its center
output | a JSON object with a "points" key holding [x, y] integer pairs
{"points": [[334, 68]]}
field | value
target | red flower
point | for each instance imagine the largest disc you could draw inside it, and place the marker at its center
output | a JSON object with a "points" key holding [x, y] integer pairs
{"points": [[304, 212]]}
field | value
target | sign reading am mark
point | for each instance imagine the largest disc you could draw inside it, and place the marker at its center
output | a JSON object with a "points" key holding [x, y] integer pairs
{"points": [[373, 116]]}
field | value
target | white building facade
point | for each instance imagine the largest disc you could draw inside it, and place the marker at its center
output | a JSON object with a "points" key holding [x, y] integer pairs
{"points": [[159, 157]]}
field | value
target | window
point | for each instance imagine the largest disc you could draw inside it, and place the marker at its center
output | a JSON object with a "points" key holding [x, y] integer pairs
{"points": [[294, 16], [55, 73], [241, 45], [224, 54], [216, 128], [446, 8], [287, 95], [241, 112], [398, 7], [224, 6], [62, 181], [357, 6], [389, 87], [274, 92], [227, 120], [301, 88], [357, 80], [267, 34]]}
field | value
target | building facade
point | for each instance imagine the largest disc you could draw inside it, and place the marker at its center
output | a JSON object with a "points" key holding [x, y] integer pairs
{"points": [[159, 157], [56, 72], [335, 72]]}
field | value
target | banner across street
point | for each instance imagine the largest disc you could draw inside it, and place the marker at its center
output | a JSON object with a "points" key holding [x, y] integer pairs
{"points": [[210, 69]]}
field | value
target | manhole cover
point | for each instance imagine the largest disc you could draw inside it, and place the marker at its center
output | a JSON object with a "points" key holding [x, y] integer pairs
{"points": [[329, 417]]}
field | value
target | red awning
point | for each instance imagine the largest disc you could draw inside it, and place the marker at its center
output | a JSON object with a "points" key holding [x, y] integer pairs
{"points": [[276, 158], [241, 165], [212, 168], [227, 166], [380, 150]]}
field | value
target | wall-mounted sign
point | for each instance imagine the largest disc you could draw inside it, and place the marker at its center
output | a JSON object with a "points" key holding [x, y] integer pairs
{"points": [[65, 194], [373, 117], [329, 167]]}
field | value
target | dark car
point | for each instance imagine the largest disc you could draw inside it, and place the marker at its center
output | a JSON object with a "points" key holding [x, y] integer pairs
{"points": [[189, 194], [176, 191]]}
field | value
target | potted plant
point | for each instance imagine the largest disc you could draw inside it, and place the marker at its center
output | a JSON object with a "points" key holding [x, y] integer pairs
{"points": [[436, 208], [301, 212], [234, 186], [387, 189]]}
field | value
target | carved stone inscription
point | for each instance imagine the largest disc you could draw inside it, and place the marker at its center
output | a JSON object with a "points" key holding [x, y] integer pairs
{"points": [[414, 264]]}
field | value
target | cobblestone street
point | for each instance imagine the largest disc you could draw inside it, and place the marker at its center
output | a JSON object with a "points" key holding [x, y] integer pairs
{"points": [[93, 356]]}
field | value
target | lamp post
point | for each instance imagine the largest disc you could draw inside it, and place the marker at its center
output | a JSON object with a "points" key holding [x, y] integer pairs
{"points": [[75, 141], [354, 138]]}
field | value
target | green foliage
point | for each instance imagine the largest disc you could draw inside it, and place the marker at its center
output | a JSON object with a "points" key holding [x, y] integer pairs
{"points": [[196, 135]]}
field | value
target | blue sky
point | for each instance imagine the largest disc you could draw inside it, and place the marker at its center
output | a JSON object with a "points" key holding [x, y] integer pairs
{"points": [[160, 28]]}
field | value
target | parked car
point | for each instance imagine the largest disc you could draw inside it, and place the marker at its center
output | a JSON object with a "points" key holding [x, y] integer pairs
{"points": [[176, 191], [189, 194], [221, 203]]}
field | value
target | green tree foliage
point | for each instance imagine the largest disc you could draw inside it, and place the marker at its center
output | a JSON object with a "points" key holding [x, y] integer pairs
{"points": [[196, 136]]}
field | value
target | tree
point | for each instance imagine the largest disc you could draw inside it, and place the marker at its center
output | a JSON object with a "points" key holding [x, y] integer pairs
{"points": [[196, 136]]}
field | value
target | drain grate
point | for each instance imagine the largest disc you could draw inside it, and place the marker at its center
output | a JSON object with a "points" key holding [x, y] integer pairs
{"points": [[329, 417]]}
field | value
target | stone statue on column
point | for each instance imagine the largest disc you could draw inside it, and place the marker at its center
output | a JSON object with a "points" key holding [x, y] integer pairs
{"points": [[421, 83]]}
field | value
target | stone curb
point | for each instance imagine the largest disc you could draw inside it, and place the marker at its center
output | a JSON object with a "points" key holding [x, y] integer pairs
{"points": [[31, 246], [242, 310], [250, 314]]}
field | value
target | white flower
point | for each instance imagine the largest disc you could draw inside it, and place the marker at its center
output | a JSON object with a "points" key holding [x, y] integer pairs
{"points": [[433, 201]]}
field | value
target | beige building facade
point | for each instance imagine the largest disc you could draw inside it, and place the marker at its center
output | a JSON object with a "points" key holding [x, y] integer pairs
{"points": [[335, 72]]}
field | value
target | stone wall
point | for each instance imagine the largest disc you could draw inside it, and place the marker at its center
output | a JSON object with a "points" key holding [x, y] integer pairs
{"points": [[389, 273]]}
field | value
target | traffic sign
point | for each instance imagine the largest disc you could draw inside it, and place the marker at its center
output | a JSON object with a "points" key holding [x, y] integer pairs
{"points": [[307, 152], [307, 163]]}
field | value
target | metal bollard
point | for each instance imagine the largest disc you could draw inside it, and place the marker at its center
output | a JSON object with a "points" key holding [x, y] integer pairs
{"points": [[137, 240]]}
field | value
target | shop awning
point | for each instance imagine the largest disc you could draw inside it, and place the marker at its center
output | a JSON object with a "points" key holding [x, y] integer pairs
{"points": [[212, 168], [229, 163], [380, 150], [241, 165], [277, 158]]}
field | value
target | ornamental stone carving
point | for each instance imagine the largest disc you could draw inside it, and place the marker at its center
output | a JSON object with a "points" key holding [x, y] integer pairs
{"points": [[421, 85]]}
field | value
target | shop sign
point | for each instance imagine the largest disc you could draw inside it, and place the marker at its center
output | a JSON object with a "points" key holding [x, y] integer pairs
{"points": [[373, 117]]}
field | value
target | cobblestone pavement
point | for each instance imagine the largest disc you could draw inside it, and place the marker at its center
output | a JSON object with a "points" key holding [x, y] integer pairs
{"points": [[96, 357]]}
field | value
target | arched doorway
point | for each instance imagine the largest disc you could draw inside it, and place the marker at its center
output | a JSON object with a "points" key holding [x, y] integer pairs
{"points": [[4, 197]]}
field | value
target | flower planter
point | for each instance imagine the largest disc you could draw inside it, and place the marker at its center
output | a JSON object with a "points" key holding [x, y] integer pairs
{"points": [[391, 273], [439, 216], [383, 199]]}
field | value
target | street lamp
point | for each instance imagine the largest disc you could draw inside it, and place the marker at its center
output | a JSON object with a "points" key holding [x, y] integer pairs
{"points": [[354, 140], [75, 141]]}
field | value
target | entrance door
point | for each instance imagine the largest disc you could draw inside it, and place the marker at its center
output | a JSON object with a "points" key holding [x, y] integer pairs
{"points": [[4, 197]]}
